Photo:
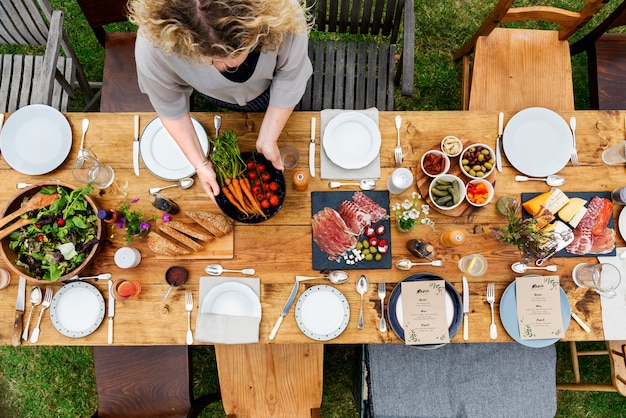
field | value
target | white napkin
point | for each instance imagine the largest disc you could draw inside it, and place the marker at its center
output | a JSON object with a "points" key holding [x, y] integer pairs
{"points": [[614, 309], [328, 169], [227, 329]]}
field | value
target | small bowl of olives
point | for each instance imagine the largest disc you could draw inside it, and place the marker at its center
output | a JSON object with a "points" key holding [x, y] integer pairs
{"points": [[446, 191], [477, 161]]}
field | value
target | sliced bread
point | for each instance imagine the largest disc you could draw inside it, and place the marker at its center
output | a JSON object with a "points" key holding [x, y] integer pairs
{"points": [[163, 246], [182, 238], [216, 224], [192, 230]]}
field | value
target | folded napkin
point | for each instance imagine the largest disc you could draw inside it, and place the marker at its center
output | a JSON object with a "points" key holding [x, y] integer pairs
{"points": [[227, 329], [614, 309], [330, 170]]}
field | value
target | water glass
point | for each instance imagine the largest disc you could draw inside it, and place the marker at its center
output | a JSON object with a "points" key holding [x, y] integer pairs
{"points": [[615, 155], [124, 289], [400, 180], [87, 169], [290, 156], [473, 264], [604, 278]]}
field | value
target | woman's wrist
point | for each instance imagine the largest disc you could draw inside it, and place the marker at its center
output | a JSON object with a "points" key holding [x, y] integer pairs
{"points": [[202, 164]]}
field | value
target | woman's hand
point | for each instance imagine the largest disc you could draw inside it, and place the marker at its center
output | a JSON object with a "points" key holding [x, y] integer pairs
{"points": [[273, 124], [270, 150], [208, 180]]}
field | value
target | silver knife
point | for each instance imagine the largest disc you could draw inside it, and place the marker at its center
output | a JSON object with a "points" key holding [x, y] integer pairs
{"points": [[136, 146], [286, 308], [19, 311], [111, 312], [465, 308], [498, 142], [312, 148]]}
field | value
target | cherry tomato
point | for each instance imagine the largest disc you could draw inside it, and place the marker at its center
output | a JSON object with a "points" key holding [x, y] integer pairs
{"points": [[380, 229], [250, 165], [373, 241], [274, 201], [383, 246], [252, 175], [38, 226], [265, 204], [61, 222], [257, 189], [369, 231], [265, 176], [260, 167], [274, 186], [40, 238]]}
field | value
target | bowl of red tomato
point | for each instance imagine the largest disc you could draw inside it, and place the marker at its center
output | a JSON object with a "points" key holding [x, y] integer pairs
{"points": [[479, 192], [267, 186]]}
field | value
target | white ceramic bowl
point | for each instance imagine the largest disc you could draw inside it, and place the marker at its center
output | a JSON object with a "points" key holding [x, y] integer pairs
{"points": [[490, 192], [473, 162], [449, 178], [450, 144], [436, 153]]}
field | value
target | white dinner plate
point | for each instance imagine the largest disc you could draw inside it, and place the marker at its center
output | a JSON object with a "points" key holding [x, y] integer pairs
{"points": [[508, 316], [537, 142], [621, 223], [162, 156], [322, 312], [77, 309], [232, 298], [36, 139], [351, 140]]}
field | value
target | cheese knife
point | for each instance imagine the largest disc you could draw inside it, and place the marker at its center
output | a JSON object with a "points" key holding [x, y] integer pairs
{"points": [[111, 312], [19, 311], [285, 310], [498, 142], [136, 146], [465, 308], [312, 148]]}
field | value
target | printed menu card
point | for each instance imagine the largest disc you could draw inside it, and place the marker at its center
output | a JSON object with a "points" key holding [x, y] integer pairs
{"points": [[539, 307], [424, 312]]}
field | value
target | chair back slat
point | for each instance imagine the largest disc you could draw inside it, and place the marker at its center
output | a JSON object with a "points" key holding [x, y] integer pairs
{"points": [[22, 23]]}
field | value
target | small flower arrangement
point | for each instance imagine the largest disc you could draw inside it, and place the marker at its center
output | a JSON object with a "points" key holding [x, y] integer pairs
{"points": [[133, 220], [408, 213]]}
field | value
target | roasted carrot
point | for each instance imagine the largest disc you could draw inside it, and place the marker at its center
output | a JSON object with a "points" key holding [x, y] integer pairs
{"points": [[244, 183], [233, 200], [235, 189]]}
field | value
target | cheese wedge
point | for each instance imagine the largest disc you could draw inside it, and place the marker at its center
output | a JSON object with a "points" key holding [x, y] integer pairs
{"points": [[569, 210], [551, 202], [534, 205], [578, 216]]}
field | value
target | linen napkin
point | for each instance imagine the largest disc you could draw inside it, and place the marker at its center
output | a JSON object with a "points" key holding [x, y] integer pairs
{"points": [[614, 309], [227, 329], [328, 169]]}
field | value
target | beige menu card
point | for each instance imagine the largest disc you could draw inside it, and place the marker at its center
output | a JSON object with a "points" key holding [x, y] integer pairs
{"points": [[539, 307], [424, 312]]}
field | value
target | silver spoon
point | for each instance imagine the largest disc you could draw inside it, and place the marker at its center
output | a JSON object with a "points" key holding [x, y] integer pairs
{"points": [[365, 184], [361, 287], [335, 277], [103, 276], [552, 180], [216, 270], [185, 183], [217, 122], [82, 153], [406, 264], [521, 268], [35, 299]]}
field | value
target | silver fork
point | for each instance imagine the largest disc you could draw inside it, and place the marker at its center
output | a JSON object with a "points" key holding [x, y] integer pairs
{"points": [[397, 152], [47, 300], [382, 292], [491, 298], [572, 125], [189, 307]]}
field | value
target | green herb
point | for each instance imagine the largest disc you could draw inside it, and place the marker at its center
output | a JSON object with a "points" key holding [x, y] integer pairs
{"points": [[226, 157], [133, 220]]}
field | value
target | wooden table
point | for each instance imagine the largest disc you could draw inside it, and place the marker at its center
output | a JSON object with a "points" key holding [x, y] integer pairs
{"points": [[281, 247]]}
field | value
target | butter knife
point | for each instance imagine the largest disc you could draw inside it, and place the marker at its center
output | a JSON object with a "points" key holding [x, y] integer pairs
{"points": [[285, 310], [465, 308], [312, 148], [111, 312], [498, 142], [136, 146], [19, 311]]}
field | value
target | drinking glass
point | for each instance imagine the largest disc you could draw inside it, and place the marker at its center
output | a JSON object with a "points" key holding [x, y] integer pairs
{"points": [[603, 278], [290, 156], [125, 289], [87, 169], [615, 155], [473, 264], [400, 180]]}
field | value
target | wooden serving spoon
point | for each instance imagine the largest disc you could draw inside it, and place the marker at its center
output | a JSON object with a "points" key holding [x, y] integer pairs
{"points": [[14, 227], [38, 201]]}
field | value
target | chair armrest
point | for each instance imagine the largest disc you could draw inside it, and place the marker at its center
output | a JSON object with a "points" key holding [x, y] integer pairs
{"points": [[44, 82], [408, 49]]}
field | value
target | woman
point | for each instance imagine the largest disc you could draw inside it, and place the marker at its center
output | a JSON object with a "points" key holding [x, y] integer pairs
{"points": [[247, 55]]}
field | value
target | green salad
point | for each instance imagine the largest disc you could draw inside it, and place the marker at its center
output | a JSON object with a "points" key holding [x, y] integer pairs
{"points": [[59, 237]]}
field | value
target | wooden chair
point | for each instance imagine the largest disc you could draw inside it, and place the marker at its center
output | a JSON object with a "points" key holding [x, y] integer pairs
{"points": [[37, 79], [150, 381], [518, 68], [263, 380], [351, 74], [606, 61], [616, 350], [120, 90]]}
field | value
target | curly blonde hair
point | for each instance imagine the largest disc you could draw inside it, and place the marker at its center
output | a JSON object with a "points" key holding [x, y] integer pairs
{"points": [[204, 30]]}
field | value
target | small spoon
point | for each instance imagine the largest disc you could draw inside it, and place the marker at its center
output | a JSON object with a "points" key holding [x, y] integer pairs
{"points": [[81, 152], [185, 183], [35, 299], [103, 276], [365, 184], [335, 277], [216, 270], [552, 180], [521, 268], [361, 287], [217, 122], [406, 264]]}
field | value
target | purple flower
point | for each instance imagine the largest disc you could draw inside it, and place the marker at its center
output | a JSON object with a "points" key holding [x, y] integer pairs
{"points": [[134, 200], [165, 217], [144, 225]]}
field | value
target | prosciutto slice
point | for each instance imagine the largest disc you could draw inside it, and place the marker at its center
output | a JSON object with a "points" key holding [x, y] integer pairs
{"points": [[367, 204], [591, 236], [356, 219], [331, 233]]}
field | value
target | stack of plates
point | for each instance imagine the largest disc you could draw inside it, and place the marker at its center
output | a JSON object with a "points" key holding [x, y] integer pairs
{"points": [[232, 298], [351, 140]]}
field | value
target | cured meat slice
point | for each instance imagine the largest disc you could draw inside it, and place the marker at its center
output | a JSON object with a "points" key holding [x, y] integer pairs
{"points": [[377, 212], [331, 233], [355, 218], [593, 225]]}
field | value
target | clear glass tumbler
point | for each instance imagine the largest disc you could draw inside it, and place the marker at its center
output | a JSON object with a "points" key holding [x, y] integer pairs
{"points": [[87, 169]]}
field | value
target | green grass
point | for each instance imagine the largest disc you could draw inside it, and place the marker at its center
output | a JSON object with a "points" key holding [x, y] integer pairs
{"points": [[59, 381]]}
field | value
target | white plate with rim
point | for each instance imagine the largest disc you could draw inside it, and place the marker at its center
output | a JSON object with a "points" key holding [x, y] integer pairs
{"points": [[621, 223], [538, 142], [162, 156], [232, 298], [77, 309], [322, 312], [36, 139], [351, 140]]}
